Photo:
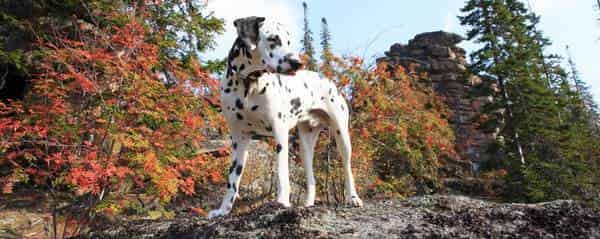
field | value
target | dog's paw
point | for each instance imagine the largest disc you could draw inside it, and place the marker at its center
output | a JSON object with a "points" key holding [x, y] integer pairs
{"points": [[284, 203], [217, 213], [355, 201]]}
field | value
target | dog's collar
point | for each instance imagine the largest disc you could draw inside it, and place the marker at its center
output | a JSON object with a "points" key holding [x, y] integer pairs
{"points": [[253, 75]]}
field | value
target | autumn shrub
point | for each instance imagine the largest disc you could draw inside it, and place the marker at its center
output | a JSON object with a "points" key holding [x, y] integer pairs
{"points": [[399, 130], [101, 122]]}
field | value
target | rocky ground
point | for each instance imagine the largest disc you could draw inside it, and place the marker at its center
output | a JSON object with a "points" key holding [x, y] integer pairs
{"points": [[419, 217]]}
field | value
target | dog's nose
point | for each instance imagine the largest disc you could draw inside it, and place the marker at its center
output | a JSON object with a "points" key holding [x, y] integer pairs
{"points": [[295, 64]]}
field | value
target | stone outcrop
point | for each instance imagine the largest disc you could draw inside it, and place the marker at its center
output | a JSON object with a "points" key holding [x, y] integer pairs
{"points": [[418, 217], [437, 54]]}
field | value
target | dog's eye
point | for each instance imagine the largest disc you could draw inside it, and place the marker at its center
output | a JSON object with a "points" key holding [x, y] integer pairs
{"points": [[275, 40]]}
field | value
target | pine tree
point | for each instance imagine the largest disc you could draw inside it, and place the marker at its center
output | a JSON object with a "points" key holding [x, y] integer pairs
{"points": [[534, 99], [589, 108], [326, 45], [307, 42]]}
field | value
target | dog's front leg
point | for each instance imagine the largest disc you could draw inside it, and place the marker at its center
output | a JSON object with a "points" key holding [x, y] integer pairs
{"points": [[239, 143], [281, 151]]}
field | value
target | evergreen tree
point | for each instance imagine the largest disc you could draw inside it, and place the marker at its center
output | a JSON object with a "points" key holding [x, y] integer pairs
{"points": [[534, 99], [589, 108], [325, 44], [307, 42]]}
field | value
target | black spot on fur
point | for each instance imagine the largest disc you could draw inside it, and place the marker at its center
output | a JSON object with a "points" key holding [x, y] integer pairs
{"points": [[234, 145], [230, 83], [322, 98], [275, 41], [271, 54], [254, 107], [239, 104], [279, 69], [278, 148], [337, 132], [239, 116], [331, 99], [296, 103], [279, 115], [269, 128], [232, 166], [306, 85], [242, 67], [228, 185], [280, 61], [264, 89], [227, 90], [238, 169]]}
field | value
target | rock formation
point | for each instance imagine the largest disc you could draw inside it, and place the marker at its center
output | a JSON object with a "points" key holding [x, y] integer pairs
{"points": [[436, 54]]}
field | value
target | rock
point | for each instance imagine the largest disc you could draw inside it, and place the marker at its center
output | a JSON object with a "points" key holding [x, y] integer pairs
{"points": [[436, 38], [434, 216]]}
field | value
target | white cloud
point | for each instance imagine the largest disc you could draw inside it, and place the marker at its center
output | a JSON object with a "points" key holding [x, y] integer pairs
{"points": [[288, 13]]}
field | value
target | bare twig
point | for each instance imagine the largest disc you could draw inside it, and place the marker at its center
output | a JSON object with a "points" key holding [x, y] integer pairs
{"points": [[3, 79]]}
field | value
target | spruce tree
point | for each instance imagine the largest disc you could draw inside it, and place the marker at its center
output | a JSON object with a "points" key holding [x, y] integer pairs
{"points": [[540, 149], [326, 45], [307, 42], [589, 109]]}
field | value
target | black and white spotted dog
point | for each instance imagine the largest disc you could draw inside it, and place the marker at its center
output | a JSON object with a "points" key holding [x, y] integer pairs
{"points": [[264, 93]]}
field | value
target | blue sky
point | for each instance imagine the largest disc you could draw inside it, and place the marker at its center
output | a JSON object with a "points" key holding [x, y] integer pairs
{"points": [[368, 28]]}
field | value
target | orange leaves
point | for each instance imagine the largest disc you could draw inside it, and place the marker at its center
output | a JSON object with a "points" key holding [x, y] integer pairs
{"points": [[199, 211], [193, 122], [99, 118], [396, 122], [150, 162]]}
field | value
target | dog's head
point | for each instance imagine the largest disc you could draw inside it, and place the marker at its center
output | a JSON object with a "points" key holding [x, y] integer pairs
{"points": [[270, 42]]}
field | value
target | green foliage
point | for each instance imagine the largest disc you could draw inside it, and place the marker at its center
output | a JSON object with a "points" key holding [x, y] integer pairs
{"points": [[326, 54], [307, 43], [539, 123]]}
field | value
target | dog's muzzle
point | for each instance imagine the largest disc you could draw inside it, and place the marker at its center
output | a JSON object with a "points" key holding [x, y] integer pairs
{"points": [[295, 65]]}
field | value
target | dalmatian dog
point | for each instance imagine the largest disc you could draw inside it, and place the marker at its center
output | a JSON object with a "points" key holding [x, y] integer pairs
{"points": [[265, 93]]}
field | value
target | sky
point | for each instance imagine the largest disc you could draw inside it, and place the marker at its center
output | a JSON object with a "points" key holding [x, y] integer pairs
{"points": [[368, 28]]}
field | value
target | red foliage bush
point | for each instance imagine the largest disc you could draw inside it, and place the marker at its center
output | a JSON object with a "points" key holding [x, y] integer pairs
{"points": [[399, 130], [101, 120]]}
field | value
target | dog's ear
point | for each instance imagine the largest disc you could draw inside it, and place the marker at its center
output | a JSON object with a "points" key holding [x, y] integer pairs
{"points": [[248, 30]]}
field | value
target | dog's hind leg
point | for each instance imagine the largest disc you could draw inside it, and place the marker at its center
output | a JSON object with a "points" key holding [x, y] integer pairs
{"points": [[308, 138], [338, 123], [239, 143]]}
